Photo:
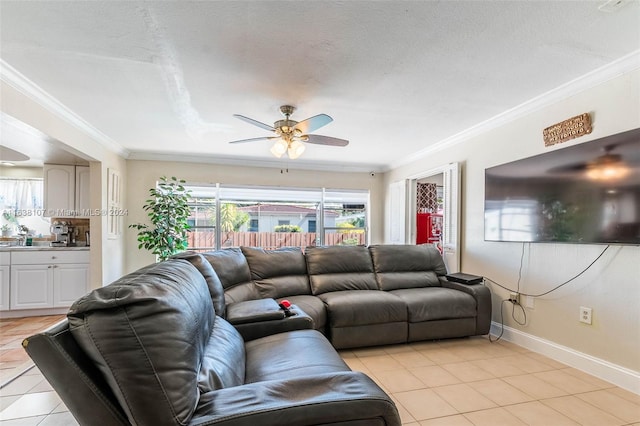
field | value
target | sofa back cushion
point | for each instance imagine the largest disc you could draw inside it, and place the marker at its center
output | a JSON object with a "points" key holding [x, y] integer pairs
{"points": [[233, 270], [278, 273], [337, 268], [223, 364], [407, 266], [147, 333], [213, 281]]}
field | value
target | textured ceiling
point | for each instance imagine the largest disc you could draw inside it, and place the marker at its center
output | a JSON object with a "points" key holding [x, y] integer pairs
{"points": [[166, 76]]}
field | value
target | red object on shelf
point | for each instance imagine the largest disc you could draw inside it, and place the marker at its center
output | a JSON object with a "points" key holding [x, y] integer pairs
{"points": [[428, 228]]}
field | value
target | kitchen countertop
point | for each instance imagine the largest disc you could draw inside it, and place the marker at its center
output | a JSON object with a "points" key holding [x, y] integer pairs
{"points": [[41, 248]]}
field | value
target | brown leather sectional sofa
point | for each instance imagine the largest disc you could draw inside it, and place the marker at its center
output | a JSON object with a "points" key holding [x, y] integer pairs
{"points": [[360, 296], [157, 347]]}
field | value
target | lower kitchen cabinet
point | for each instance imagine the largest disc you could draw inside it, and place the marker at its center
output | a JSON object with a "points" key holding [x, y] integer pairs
{"points": [[5, 268], [48, 279]]}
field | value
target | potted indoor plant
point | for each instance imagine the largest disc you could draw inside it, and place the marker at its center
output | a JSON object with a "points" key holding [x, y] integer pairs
{"points": [[168, 211]]}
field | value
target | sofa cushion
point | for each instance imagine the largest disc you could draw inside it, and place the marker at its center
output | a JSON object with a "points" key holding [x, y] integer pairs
{"points": [[407, 266], [278, 273], [147, 333], [213, 281], [290, 355], [312, 306], [223, 364], [233, 270], [337, 268], [363, 307], [436, 303]]}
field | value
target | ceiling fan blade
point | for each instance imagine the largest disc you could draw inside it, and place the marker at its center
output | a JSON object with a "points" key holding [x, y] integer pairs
{"points": [[326, 140], [254, 122], [264, 138], [313, 123]]}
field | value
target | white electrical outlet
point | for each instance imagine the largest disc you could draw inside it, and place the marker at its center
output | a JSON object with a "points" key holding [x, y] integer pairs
{"points": [[585, 315], [528, 302]]}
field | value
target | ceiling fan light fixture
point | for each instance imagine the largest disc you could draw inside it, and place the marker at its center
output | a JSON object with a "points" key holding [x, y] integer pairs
{"points": [[279, 148], [296, 148], [607, 167]]}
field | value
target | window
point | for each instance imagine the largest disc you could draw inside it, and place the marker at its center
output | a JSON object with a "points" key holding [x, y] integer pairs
{"points": [[21, 203], [250, 216]]}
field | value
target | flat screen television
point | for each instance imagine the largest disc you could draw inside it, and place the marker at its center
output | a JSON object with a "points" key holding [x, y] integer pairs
{"points": [[587, 193]]}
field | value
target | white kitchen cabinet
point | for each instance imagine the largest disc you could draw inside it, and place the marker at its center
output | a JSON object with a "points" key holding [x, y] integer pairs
{"points": [[59, 190], [66, 190], [31, 286], [5, 270], [83, 191], [48, 278], [70, 282]]}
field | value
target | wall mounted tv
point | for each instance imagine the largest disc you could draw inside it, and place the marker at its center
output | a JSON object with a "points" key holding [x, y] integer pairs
{"points": [[587, 193]]}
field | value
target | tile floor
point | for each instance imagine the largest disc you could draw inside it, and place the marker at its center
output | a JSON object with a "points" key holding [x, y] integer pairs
{"points": [[453, 382]]}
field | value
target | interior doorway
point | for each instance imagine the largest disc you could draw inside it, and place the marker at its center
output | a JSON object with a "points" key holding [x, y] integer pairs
{"points": [[433, 206]]}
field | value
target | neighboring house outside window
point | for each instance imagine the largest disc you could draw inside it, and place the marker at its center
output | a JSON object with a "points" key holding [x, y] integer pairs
{"points": [[248, 216]]}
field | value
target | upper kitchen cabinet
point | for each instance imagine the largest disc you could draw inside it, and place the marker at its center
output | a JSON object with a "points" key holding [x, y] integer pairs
{"points": [[66, 191]]}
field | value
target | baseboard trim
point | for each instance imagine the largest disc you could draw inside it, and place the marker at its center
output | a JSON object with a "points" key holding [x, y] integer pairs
{"points": [[620, 376]]}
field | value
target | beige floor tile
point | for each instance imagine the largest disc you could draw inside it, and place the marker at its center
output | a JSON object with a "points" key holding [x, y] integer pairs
{"points": [[33, 404], [398, 380], [25, 421], [5, 401], [613, 404], [629, 396], [494, 417], [566, 382], [464, 398], [59, 419], [498, 368], [582, 412], [434, 375], [457, 420], [412, 359], [537, 388], [469, 353], [467, 372], [599, 383], [440, 355], [405, 417], [377, 363], [537, 414], [21, 385], [551, 362], [500, 392], [365, 352], [424, 404], [525, 363], [396, 349], [494, 350]]}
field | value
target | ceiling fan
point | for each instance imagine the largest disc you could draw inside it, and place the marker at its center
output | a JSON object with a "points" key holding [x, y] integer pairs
{"points": [[608, 166], [290, 134]]}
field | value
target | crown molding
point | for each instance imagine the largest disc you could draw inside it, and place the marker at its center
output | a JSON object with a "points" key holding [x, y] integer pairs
{"points": [[255, 162], [624, 65], [18, 81]]}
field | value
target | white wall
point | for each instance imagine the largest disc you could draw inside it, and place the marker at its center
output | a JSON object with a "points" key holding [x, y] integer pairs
{"points": [[107, 257], [143, 175], [611, 287]]}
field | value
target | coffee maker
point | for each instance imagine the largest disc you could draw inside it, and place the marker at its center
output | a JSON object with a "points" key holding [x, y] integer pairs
{"points": [[64, 235]]}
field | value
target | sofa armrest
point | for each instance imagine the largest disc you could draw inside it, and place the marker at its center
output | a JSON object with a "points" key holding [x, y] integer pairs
{"points": [[481, 293], [74, 376], [345, 398], [260, 318]]}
